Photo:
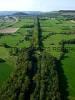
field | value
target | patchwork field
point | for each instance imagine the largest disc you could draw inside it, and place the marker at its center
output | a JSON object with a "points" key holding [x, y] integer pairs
{"points": [[53, 32], [11, 37], [62, 31]]}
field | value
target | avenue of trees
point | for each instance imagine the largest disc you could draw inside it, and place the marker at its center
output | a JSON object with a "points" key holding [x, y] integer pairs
{"points": [[36, 76]]}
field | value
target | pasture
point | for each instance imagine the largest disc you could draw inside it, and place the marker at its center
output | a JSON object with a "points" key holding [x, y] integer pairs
{"points": [[53, 32]]}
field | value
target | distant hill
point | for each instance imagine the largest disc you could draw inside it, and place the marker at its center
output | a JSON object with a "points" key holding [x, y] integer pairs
{"points": [[5, 13], [36, 13], [19, 14], [67, 12]]}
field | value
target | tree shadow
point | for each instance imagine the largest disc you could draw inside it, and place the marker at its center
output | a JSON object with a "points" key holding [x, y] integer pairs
{"points": [[2, 60], [31, 72], [41, 46], [48, 35], [63, 57], [63, 83]]}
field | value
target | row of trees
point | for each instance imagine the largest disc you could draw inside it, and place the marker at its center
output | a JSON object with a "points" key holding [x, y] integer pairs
{"points": [[69, 41], [46, 79], [34, 79], [36, 76]]}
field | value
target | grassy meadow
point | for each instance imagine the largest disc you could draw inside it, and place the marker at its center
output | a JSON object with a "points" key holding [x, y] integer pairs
{"points": [[53, 31]]}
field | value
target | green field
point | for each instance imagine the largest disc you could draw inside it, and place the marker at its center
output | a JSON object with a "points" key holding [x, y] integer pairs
{"points": [[14, 40], [69, 69], [53, 31], [7, 64]]}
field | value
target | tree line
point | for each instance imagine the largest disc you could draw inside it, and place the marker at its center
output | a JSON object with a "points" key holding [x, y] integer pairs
{"points": [[35, 77]]}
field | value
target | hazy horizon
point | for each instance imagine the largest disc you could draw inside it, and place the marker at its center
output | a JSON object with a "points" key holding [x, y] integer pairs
{"points": [[33, 5]]}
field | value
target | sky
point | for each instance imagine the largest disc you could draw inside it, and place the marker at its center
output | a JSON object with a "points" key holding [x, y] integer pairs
{"points": [[36, 5]]}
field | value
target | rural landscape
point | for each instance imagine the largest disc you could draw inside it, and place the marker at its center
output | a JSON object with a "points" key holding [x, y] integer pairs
{"points": [[37, 55]]}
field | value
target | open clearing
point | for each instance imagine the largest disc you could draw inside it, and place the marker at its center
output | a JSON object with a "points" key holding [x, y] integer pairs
{"points": [[8, 30]]}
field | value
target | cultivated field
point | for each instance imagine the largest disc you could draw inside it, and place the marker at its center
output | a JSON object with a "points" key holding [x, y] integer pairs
{"points": [[8, 30], [53, 33]]}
